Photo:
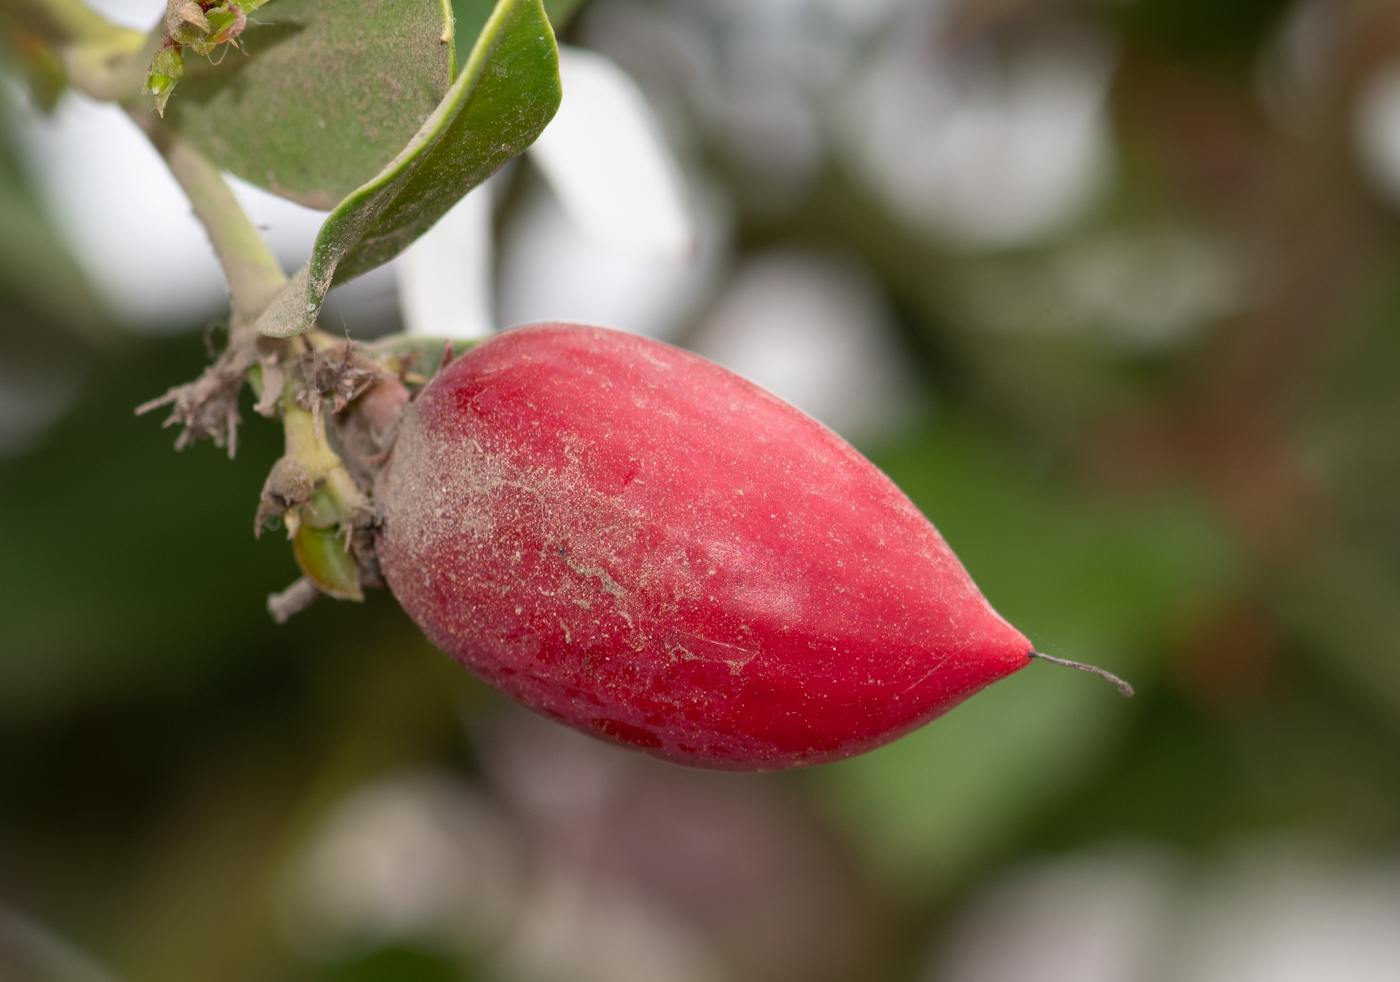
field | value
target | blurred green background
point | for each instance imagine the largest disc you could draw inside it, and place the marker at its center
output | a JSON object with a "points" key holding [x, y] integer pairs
{"points": [[1163, 435]]}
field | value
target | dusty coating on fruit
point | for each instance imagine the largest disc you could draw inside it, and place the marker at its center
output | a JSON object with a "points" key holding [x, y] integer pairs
{"points": [[642, 545]]}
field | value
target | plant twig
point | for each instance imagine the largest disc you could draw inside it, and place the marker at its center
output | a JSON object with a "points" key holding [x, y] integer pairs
{"points": [[209, 405], [253, 274]]}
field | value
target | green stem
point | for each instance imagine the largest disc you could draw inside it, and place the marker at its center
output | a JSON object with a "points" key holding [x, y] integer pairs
{"points": [[306, 442], [254, 276], [72, 22], [306, 438], [100, 59], [114, 69]]}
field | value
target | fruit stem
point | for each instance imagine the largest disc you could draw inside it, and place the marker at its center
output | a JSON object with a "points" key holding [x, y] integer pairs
{"points": [[1124, 688], [305, 433], [306, 443]]}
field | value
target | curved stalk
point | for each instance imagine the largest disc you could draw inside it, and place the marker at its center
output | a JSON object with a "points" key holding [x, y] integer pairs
{"points": [[103, 60], [70, 21], [253, 273], [113, 68]]}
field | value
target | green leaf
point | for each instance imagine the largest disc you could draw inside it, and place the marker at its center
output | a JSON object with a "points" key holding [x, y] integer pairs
{"points": [[41, 287], [471, 17], [416, 356], [561, 11], [324, 558], [322, 95], [506, 94], [37, 275]]}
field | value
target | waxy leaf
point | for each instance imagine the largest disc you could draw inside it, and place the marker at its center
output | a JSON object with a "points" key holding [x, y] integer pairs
{"points": [[472, 15], [561, 11], [327, 562], [322, 96], [506, 94]]}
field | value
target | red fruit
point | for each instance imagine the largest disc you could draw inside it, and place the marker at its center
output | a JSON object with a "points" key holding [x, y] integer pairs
{"points": [[644, 546]]}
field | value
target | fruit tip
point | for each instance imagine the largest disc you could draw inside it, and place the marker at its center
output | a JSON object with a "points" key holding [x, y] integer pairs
{"points": [[1124, 689]]}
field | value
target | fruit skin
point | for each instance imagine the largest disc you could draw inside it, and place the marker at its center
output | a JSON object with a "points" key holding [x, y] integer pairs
{"points": [[640, 544]]}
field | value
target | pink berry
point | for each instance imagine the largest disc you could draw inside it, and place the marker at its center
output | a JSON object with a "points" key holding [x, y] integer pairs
{"points": [[642, 545]]}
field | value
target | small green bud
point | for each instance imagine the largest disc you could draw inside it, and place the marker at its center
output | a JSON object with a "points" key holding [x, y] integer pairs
{"points": [[226, 22], [221, 23], [166, 69]]}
